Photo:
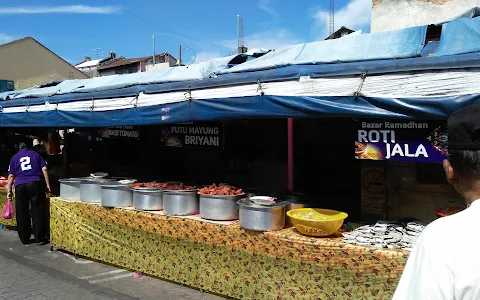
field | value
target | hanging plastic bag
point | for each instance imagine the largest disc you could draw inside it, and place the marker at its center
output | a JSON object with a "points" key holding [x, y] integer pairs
{"points": [[8, 210]]}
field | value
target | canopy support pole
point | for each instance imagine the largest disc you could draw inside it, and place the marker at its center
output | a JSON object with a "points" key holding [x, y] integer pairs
{"points": [[64, 152]]}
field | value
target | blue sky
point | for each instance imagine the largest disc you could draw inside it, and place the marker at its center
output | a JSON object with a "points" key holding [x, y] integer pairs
{"points": [[72, 29]]}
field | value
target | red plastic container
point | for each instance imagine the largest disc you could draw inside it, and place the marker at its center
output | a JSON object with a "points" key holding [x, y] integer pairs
{"points": [[448, 211]]}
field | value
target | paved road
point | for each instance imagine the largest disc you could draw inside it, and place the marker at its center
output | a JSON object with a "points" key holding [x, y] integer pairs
{"points": [[34, 272], [21, 282]]}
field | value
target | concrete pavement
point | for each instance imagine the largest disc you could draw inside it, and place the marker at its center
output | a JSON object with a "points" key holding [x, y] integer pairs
{"points": [[21, 282], [35, 272]]}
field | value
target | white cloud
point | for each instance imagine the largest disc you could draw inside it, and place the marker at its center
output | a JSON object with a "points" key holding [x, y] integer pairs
{"points": [[265, 5], [74, 9], [204, 56], [270, 39], [5, 38], [356, 15]]}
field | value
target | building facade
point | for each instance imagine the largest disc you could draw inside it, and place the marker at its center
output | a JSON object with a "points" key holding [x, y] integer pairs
{"points": [[396, 14], [28, 63], [135, 65], [90, 67]]}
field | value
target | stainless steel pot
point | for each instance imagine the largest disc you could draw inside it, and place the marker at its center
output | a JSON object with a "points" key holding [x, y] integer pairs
{"points": [[70, 189], [115, 194], [91, 190], [180, 203], [147, 198], [220, 208], [262, 218]]}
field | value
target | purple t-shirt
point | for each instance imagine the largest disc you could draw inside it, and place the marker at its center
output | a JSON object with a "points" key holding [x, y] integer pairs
{"points": [[26, 166]]}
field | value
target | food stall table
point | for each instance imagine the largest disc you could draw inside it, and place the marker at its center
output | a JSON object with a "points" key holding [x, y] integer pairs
{"points": [[226, 259]]}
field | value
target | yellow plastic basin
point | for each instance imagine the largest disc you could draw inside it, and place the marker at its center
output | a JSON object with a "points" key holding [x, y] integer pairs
{"points": [[317, 221]]}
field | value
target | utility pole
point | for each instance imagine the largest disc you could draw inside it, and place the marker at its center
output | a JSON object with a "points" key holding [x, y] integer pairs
{"points": [[240, 36], [180, 55], [153, 38], [332, 17]]}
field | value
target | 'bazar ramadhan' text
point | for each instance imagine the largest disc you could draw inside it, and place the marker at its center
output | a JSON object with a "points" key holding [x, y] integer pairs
{"points": [[389, 125]]}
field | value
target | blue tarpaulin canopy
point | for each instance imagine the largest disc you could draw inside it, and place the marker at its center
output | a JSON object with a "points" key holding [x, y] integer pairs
{"points": [[374, 75]]}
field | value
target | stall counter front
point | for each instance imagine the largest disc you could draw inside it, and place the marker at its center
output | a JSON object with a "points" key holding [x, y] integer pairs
{"points": [[226, 259]]}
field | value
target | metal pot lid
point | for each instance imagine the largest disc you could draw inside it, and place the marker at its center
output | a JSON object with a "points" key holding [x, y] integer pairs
{"points": [[94, 180], [99, 175], [247, 203], [70, 180], [115, 184], [263, 200]]}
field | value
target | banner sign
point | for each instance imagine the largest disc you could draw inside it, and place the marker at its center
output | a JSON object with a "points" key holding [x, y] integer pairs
{"points": [[123, 132], [410, 141], [193, 135]]}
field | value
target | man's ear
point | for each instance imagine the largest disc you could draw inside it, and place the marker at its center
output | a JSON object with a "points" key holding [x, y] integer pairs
{"points": [[450, 172]]}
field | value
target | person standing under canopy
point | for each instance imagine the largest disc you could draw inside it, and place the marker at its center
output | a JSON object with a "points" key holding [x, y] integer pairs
{"points": [[444, 263], [29, 174]]}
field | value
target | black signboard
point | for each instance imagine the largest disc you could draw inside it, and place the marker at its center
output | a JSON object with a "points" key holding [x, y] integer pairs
{"points": [[123, 132], [203, 135]]}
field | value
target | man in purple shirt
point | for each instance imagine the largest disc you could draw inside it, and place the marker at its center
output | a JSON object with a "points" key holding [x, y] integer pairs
{"points": [[28, 173]]}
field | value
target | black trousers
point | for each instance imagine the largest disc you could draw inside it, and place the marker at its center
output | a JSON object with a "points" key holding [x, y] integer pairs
{"points": [[31, 194]]}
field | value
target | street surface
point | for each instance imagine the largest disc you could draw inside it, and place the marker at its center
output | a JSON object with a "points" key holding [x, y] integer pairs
{"points": [[36, 273]]}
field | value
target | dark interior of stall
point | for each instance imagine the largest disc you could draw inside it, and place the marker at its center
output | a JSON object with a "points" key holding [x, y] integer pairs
{"points": [[325, 164], [253, 156]]}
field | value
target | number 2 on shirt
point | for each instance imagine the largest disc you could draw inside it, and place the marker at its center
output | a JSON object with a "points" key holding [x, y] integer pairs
{"points": [[25, 163]]}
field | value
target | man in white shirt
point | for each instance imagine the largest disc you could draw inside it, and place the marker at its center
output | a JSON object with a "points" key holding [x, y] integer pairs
{"points": [[445, 262]]}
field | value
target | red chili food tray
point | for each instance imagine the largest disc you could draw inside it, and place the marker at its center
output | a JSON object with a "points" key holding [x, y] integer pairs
{"points": [[3, 181]]}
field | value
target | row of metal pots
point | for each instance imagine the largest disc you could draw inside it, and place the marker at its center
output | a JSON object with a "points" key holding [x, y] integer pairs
{"points": [[220, 208], [111, 193]]}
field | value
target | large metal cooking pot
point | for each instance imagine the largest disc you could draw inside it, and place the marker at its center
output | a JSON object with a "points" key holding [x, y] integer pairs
{"points": [[180, 203], [115, 194], [147, 198], [70, 189], [220, 208], [262, 218], [91, 190]]}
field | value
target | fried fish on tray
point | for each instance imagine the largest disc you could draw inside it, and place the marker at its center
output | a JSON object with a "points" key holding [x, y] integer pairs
{"points": [[220, 190]]}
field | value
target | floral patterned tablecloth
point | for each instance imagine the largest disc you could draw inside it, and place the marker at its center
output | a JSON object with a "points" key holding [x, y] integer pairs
{"points": [[227, 260]]}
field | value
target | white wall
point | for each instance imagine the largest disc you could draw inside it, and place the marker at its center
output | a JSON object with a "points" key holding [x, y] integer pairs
{"points": [[395, 14], [159, 66], [89, 71]]}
